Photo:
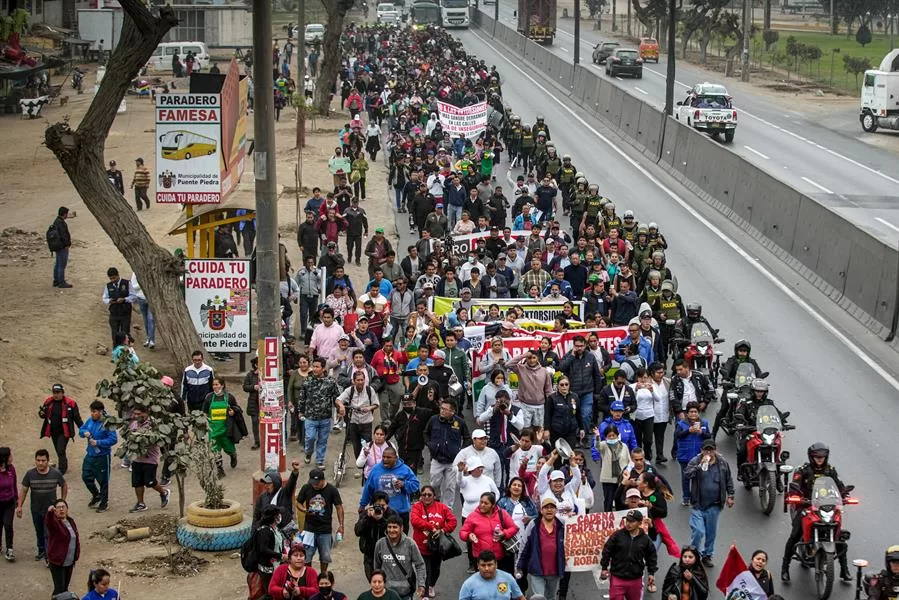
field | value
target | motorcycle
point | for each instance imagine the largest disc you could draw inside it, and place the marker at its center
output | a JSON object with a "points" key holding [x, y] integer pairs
{"points": [[823, 536], [77, 79], [764, 457], [700, 353], [737, 391]]}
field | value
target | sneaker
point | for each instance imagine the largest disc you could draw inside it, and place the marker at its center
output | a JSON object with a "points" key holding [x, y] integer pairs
{"points": [[165, 481], [358, 475], [845, 575], [10, 556], [164, 498], [661, 460], [39, 555], [146, 343], [139, 507], [94, 502], [103, 507], [432, 592], [64, 284], [234, 460], [151, 345], [785, 574], [685, 503], [125, 464], [307, 459], [707, 562], [321, 466]]}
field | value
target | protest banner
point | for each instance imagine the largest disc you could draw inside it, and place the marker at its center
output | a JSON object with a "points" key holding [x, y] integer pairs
{"points": [[217, 294], [585, 536], [533, 311], [463, 243], [469, 121], [514, 345], [188, 148]]}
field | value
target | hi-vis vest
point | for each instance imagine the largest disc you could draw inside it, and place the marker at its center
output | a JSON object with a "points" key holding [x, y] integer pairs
{"points": [[669, 307]]}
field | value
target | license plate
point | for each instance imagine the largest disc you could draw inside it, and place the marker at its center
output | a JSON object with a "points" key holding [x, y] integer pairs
{"points": [[715, 126]]}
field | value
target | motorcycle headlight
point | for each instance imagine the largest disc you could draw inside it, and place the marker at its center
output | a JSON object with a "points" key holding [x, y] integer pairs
{"points": [[768, 439], [826, 515]]}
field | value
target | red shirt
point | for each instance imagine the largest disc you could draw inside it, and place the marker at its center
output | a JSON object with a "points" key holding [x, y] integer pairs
{"points": [[547, 549], [424, 520], [388, 367]]}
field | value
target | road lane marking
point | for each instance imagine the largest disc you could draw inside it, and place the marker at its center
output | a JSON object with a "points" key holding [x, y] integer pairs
{"points": [[618, 78], [642, 91], [756, 152], [887, 223], [563, 48], [797, 300], [817, 185]]}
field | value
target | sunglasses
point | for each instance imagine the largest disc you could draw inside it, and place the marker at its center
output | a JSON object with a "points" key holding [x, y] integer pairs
{"points": [[426, 495]]}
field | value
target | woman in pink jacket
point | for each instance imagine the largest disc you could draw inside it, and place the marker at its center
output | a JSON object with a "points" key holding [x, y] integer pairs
{"points": [[486, 527]]}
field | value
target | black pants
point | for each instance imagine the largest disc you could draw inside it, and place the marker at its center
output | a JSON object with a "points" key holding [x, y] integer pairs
{"points": [[359, 188], [140, 193], [368, 565], [62, 576], [356, 432], [507, 563], [432, 568], [249, 240], [411, 458], [120, 324], [608, 496], [796, 536], [722, 414], [60, 442], [7, 509], [563, 584], [254, 419], [643, 431], [351, 242], [658, 432]]}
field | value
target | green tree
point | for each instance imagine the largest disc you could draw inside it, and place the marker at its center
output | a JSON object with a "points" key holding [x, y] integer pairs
{"points": [[770, 36], [863, 36], [331, 55], [700, 18], [140, 386], [856, 65]]}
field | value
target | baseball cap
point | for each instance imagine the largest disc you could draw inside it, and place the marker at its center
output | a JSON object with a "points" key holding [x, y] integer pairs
{"points": [[439, 354], [57, 387], [465, 290], [617, 405], [547, 501], [556, 475], [316, 475], [634, 515], [428, 285], [478, 433], [633, 493], [709, 444], [473, 463], [267, 478], [439, 205], [379, 230], [332, 244]]}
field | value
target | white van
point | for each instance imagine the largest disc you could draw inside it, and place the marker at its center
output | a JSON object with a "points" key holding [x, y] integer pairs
{"points": [[162, 56]]}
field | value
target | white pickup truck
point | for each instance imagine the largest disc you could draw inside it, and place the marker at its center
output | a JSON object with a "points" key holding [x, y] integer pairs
{"points": [[708, 108]]}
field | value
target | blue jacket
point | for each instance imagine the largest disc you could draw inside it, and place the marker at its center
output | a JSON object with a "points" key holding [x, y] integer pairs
{"points": [[518, 224], [381, 478], [529, 557], [445, 438], [646, 351], [625, 431], [455, 197], [110, 594], [106, 438], [564, 288], [689, 444]]}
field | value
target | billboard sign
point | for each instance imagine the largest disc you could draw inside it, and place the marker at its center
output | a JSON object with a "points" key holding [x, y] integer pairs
{"points": [[188, 148], [217, 292]]}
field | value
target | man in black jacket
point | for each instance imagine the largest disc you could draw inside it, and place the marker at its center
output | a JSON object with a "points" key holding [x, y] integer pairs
{"points": [[371, 527], [307, 236], [62, 241], [626, 554], [357, 226], [276, 493], [444, 435], [408, 426], [118, 297]]}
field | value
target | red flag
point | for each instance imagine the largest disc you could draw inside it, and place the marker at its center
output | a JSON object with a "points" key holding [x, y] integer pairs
{"points": [[733, 566]]}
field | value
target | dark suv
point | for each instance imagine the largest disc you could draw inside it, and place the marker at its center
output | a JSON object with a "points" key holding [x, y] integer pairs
{"points": [[625, 61], [602, 51]]}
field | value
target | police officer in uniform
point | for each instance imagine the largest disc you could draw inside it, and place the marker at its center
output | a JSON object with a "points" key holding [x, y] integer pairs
{"points": [[117, 295], [668, 306], [566, 181], [885, 584]]}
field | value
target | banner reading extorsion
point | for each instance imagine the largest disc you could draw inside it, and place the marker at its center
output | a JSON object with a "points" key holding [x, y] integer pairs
{"points": [[533, 311], [585, 536], [463, 243], [467, 120], [217, 293]]}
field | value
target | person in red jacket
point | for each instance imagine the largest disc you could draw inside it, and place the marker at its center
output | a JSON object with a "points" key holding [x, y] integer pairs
{"points": [[61, 422], [430, 517], [293, 579], [62, 554], [486, 527]]}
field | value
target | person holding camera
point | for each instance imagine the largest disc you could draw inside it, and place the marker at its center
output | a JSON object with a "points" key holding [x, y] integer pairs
{"points": [[502, 421], [293, 579], [372, 526]]}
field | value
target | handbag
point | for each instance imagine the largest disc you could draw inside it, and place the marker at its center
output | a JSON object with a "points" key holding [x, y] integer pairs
{"points": [[510, 545], [444, 546], [411, 579]]}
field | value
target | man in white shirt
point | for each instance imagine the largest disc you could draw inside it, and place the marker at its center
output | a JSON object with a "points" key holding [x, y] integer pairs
{"points": [[364, 402], [488, 456], [526, 452]]}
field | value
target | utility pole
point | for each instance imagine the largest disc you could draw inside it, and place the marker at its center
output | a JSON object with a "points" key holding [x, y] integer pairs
{"points": [[747, 30], [496, 11], [577, 31], [833, 20], [271, 396], [672, 50], [301, 79]]}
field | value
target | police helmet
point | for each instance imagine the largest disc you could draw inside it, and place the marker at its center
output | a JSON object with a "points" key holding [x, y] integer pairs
{"points": [[694, 310], [742, 344], [818, 450]]}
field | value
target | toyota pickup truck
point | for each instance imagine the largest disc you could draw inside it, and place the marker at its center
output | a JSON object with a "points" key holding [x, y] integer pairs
{"points": [[708, 108]]}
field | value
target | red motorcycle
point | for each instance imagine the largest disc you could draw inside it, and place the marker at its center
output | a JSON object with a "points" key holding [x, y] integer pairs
{"points": [[765, 462], [823, 536]]}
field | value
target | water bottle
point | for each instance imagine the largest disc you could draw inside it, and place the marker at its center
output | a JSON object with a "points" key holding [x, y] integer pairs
{"points": [[338, 538], [497, 533]]}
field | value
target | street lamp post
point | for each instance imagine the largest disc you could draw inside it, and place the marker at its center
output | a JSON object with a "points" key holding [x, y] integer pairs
{"points": [[672, 50], [577, 31], [747, 30]]}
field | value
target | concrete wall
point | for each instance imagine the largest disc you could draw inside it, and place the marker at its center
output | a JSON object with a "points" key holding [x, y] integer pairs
{"points": [[853, 268]]}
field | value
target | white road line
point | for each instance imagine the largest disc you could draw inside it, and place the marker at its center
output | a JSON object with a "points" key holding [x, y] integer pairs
{"points": [[756, 152], [563, 48], [817, 185], [887, 223], [618, 78], [664, 76], [763, 271], [642, 91]]}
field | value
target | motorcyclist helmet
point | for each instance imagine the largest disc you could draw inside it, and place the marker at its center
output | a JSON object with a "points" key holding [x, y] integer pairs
{"points": [[654, 225], [566, 157], [743, 344], [818, 450], [892, 555], [759, 385], [539, 118], [694, 310]]}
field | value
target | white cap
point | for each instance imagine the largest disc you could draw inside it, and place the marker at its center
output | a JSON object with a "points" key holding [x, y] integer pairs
{"points": [[473, 463], [556, 475], [628, 213], [439, 354], [478, 433]]}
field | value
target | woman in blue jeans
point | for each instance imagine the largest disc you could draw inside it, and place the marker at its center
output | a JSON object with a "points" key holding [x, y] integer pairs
{"points": [[690, 433]]}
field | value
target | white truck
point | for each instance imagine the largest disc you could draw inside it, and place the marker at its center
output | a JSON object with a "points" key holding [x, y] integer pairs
{"points": [[708, 108], [880, 95]]}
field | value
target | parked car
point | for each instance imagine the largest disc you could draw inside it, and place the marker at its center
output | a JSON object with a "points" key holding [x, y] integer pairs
{"points": [[602, 51], [625, 61], [161, 60], [649, 49], [315, 33]]}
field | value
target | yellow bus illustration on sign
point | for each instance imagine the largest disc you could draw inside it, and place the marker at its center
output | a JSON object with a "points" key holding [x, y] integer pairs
{"points": [[184, 145]]}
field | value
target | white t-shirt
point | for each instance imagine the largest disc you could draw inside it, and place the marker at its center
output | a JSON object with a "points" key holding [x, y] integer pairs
{"points": [[689, 392], [644, 403], [530, 457], [660, 404]]}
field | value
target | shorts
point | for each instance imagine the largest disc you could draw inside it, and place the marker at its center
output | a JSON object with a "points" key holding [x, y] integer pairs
{"points": [[323, 543], [143, 474]]}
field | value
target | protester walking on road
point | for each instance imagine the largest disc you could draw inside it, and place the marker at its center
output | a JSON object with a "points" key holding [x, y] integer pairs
{"points": [[196, 382], [140, 183], [625, 556], [96, 466], [63, 545], [143, 468], [711, 488], [61, 421], [59, 241], [9, 499], [42, 481]]}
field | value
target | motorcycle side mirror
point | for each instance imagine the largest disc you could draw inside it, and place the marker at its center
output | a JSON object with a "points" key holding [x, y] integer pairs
{"points": [[732, 396], [787, 468], [785, 414], [670, 322], [719, 353], [679, 103], [785, 455], [719, 340], [764, 375], [861, 563], [848, 489]]}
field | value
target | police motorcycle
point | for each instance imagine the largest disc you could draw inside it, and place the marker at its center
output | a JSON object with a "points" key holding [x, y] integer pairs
{"points": [[699, 351], [764, 457], [737, 392]]}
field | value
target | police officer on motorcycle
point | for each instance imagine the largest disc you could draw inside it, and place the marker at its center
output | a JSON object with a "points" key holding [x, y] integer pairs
{"points": [[742, 351], [885, 584], [802, 483], [745, 411], [682, 328]]}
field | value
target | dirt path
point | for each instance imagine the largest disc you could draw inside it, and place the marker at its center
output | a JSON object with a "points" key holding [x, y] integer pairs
{"points": [[49, 335]]}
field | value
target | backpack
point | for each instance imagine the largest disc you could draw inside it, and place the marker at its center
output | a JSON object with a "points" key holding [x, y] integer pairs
{"points": [[249, 555], [54, 239]]}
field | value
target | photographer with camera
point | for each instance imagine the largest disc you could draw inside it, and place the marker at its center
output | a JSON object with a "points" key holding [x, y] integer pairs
{"points": [[502, 420], [372, 526]]}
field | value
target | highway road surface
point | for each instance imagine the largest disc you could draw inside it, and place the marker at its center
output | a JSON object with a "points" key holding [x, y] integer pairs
{"points": [[838, 381], [857, 180]]}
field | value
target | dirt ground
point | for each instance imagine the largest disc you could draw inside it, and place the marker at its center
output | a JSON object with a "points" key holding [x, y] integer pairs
{"points": [[49, 335]]}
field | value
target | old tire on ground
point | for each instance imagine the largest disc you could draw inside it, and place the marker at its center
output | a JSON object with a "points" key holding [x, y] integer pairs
{"points": [[214, 517], [213, 540]]}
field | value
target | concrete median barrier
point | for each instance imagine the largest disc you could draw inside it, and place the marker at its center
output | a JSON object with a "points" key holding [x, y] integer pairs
{"points": [[617, 100], [582, 82], [630, 118], [649, 130]]}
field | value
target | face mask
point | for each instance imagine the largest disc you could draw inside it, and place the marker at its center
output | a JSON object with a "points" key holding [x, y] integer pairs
{"points": [[408, 410], [612, 442], [324, 591]]}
